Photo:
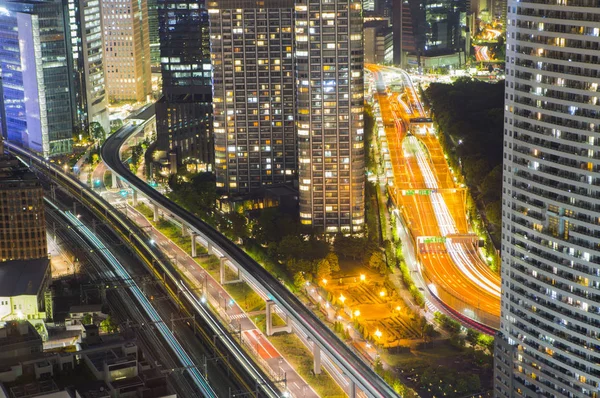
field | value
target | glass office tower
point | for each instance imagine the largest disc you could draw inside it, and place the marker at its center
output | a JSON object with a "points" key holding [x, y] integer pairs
{"points": [[85, 23], [183, 114], [36, 104], [329, 108], [549, 342]]}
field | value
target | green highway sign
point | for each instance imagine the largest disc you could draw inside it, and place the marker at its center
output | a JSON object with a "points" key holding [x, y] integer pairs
{"points": [[434, 239], [409, 192]]}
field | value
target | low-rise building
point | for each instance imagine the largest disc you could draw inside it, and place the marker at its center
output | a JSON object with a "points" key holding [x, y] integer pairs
{"points": [[23, 287]]}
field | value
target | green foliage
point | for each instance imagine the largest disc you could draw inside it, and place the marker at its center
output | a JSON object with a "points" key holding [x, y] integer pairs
{"points": [[376, 261], [97, 132], [410, 285], [472, 336], [450, 382], [333, 260], [352, 246], [369, 129], [109, 325], [323, 270], [199, 196], [486, 342], [87, 319], [470, 115], [447, 323], [299, 280], [273, 225], [339, 328]]}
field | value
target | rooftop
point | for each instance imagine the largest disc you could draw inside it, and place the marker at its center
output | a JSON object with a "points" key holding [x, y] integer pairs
{"points": [[22, 277], [11, 169], [87, 308], [95, 389]]}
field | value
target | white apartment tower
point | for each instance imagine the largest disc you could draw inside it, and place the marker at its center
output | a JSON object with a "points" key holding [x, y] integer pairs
{"points": [[329, 109], [549, 342], [126, 49]]}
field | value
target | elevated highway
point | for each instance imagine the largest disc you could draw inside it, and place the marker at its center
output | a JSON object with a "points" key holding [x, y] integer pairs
{"points": [[324, 341]]}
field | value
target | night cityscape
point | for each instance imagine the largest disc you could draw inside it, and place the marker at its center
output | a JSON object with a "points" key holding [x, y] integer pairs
{"points": [[299, 198]]}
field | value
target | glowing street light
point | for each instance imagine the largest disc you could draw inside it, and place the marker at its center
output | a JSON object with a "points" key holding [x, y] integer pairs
{"points": [[398, 308], [342, 298], [378, 333], [357, 313], [382, 293], [362, 277], [324, 281]]}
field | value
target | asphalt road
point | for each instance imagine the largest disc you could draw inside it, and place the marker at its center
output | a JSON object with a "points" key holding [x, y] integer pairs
{"points": [[456, 270]]}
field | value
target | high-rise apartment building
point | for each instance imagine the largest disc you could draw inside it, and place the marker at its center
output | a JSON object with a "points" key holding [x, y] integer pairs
{"points": [[329, 108], [253, 93], [22, 220], [287, 98], [87, 50], [126, 49], [184, 113], [37, 104], [548, 345]]}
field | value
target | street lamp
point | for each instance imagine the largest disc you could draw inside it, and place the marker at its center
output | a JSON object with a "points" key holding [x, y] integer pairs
{"points": [[362, 277], [356, 313], [342, 298], [378, 334], [382, 293], [398, 308], [324, 281]]}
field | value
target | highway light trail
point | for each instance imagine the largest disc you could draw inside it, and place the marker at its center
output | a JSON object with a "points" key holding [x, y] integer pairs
{"points": [[458, 252], [121, 273]]}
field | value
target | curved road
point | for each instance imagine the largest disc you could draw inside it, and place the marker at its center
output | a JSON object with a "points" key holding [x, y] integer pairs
{"points": [[358, 371]]}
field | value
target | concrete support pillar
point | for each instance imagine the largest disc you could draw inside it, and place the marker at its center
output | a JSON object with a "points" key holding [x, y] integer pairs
{"points": [[222, 269], [269, 320], [183, 229], [317, 359], [193, 234], [155, 212], [114, 180], [135, 197], [351, 389]]}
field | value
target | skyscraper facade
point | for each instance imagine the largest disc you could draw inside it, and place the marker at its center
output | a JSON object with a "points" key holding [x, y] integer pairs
{"points": [[87, 51], [184, 113], [22, 219], [153, 35], [329, 108], [126, 49], [548, 345], [253, 93], [37, 104]]}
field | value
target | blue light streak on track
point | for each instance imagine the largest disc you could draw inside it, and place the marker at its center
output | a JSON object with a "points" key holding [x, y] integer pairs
{"points": [[120, 272]]}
